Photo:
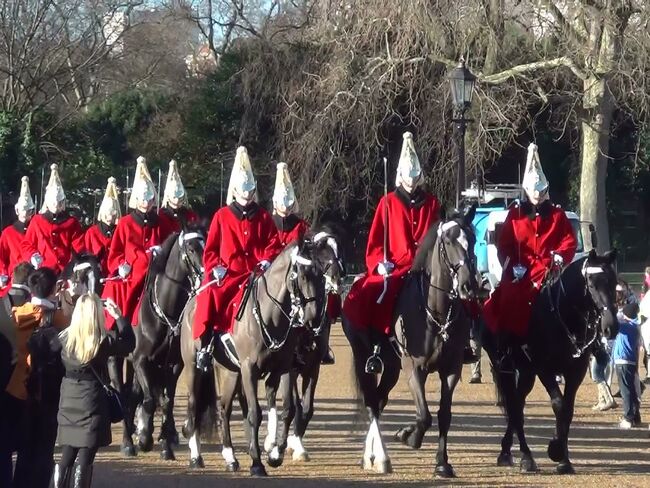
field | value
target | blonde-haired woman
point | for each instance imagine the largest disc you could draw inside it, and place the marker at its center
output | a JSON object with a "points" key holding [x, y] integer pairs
{"points": [[84, 416]]}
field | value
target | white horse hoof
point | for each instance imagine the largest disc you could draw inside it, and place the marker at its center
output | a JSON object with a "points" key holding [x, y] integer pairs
{"points": [[366, 464], [301, 456], [383, 467]]}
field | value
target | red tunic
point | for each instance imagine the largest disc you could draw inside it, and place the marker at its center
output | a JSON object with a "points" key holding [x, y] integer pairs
{"points": [[134, 235], [409, 219], [237, 240], [170, 220], [527, 237], [11, 251], [53, 237], [290, 228], [98, 242]]}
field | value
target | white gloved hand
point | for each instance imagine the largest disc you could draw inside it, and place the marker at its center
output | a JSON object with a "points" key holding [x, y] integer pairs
{"points": [[4, 280], [385, 268], [264, 264], [155, 249], [36, 260], [124, 270], [219, 272], [558, 259]]}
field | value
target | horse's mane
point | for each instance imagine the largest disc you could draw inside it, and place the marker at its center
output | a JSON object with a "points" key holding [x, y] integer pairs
{"points": [[159, 262], [421, 260]]}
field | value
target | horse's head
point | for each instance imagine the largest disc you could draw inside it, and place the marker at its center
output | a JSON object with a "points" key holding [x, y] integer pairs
{"points": [[191, 244], [83, 274], [600, 277], [317, 270], [456, 241]]}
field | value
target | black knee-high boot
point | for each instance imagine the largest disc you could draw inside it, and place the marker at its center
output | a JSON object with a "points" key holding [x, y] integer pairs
{"points": [[83, 476]]}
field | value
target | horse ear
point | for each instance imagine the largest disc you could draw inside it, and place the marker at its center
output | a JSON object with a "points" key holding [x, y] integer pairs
{"points": [[443, 214], [469, 212], [592, 255], [74, 254], [610, 256]]}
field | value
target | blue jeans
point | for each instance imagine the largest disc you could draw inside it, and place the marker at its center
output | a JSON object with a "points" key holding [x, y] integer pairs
{"points": [[599, 366], [627, 383]]}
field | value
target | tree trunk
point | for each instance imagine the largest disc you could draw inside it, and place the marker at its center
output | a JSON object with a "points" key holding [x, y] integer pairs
{"points": [[598, 107]]}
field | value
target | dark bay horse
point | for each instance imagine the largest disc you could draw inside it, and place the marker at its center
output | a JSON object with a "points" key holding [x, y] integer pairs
{"points": [[433, 329], [312, 346], [571, 313], [174, 276], [284, 299], [433, 323]]}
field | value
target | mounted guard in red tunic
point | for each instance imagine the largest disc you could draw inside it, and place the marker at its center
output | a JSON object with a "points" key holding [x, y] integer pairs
{"points": [[536, 240], [401, 220], [135, 242], [175, 212], [53, 234], [99, 236], [241, 238], [11, 240]]}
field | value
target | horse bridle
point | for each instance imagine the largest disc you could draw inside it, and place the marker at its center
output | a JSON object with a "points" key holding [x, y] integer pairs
{"points": [[195, 276], [591, 325], [454, 293], [296, 316]]}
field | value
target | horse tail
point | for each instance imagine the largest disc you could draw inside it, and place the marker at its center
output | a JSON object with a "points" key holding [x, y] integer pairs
{"points": [[205, 417]]}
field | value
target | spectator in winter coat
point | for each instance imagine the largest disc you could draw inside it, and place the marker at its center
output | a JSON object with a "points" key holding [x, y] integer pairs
{"points": [[84, 413], [22, 427]]}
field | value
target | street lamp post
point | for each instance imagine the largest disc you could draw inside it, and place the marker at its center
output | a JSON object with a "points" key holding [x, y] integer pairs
{"points": [[462, 88]]}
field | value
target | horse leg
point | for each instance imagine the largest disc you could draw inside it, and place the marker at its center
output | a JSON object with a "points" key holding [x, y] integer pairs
{"points": [[276, 456], [115, 368], [448, 383], [230, 387], [524, 385], [168, 432], [272, 416], [413, 434], [304, 410], [249, 378], [146, 380]]}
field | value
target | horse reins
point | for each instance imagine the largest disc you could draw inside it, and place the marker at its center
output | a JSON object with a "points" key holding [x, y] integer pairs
{"points": [[578, 350]]}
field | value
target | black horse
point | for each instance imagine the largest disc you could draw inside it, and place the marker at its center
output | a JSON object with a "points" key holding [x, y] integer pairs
{"points": [[284, 299], [569, 316], [433, 324], [434, 341], [174, 276], [313, 345]]}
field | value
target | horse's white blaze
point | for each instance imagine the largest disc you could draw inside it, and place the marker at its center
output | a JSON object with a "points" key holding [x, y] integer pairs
{"points": [[81, 267], [195, 446], [590, 270], [271, 436], [228, 455], [377, 442]]}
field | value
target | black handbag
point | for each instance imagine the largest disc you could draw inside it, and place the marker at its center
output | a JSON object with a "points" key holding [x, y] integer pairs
{"points": [[115, 408]]}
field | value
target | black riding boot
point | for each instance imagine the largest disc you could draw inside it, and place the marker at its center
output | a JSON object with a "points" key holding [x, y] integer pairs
{"points": [[62, 477], [83, 476], [504, 361], [374, 363], [328, 355]]}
